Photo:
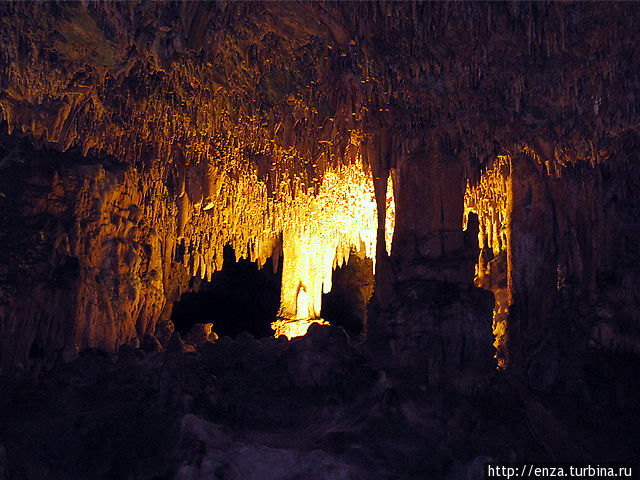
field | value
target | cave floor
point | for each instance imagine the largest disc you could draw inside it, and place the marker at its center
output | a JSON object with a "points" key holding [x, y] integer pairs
{"points": [[310, 408]]}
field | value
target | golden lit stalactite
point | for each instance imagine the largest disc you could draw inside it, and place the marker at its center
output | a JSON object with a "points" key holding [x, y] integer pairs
{"points": [[313, 230], [203, 151], [489, 199], [390, 217], [318, 235], [303, 274]]}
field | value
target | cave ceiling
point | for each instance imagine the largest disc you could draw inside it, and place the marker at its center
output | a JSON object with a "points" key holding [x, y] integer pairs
{"points": [[283, 86]]}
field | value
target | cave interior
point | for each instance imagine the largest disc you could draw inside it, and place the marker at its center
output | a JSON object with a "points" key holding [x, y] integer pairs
{"points": [[319, 240]]}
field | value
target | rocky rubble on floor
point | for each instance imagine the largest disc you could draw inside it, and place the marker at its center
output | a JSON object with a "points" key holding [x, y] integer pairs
{"points": [[246, 408], [218, 455]]}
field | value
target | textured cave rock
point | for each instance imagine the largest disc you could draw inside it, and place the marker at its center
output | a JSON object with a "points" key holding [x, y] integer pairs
{"points": [[223, 119], [437, 334], [137, 140], [206, 452], [589, 216], [352, 286], [277, 407], [489, 202], [426, 317], [88, 255], [550, 246], [427, 179]]}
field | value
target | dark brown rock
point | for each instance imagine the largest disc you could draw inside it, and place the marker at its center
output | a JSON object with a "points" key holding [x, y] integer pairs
{"points": [[436, 334], [150, 344], [199, 333], [172, 377]]}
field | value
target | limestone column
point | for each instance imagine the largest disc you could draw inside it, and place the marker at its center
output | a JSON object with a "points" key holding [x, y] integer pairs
{"points": [[434, 327], [532, 276], [429, 194]]}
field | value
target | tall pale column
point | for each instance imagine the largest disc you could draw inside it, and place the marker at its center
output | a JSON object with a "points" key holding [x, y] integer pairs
{"points": [[317, 237]]}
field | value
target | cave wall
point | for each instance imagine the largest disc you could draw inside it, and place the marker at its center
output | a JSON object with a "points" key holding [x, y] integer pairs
{"points": [[571, 268], [490, 199], [554, 247], [427, 321], [88, 255], [556, 251], [428, 224], [127, 246]]}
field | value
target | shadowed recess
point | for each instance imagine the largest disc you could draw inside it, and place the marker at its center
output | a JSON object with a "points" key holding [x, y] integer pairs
{"points": [[352, 286], [240, 297]]}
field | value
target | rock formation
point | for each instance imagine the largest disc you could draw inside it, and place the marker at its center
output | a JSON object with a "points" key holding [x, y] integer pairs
{"points": [[482, 158]]}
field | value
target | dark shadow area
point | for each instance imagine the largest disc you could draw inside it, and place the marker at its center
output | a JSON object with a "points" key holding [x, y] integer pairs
{"points": [[352, 286], [240, 297]]}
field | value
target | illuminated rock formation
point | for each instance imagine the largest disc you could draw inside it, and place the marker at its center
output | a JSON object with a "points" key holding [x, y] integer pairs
{"points": [[135, 247], [432, 326], [139, 141], [544, 237], [318, 235], [489, 200], [160, 133]]}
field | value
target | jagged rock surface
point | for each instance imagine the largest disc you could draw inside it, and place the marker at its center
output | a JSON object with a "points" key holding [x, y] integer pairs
{"points": [[436, 333], [246, 407], [227, 114], [555, 250], [96, 251], [138, 139]]}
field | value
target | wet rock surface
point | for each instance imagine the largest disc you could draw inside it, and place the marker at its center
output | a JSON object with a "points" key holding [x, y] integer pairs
{"points": [[313, 407]]}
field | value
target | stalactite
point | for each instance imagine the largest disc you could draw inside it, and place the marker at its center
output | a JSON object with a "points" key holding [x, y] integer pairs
{"points": [[319, 233], [198, 99], [489, 199]]}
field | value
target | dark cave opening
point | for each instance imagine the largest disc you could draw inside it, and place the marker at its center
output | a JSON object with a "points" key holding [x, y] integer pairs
{"points": [[240, 297], [352, 286]]}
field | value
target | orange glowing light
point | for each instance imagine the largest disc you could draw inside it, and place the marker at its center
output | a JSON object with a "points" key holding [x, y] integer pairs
{"points": [[318, 234], [489, 199], [294, 328]]}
